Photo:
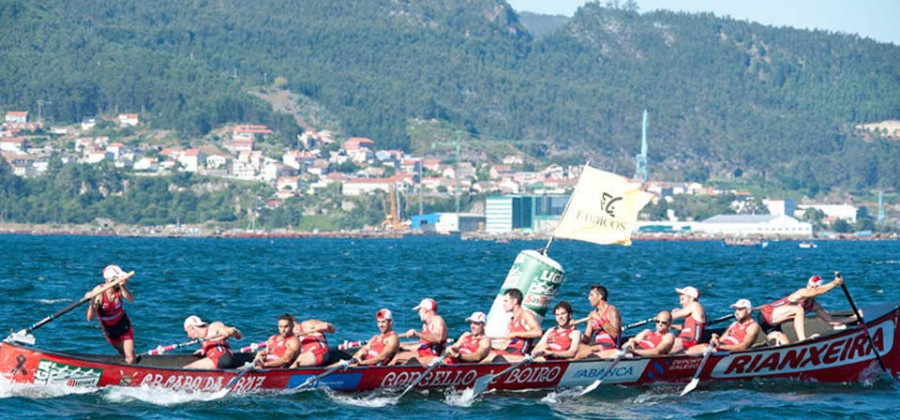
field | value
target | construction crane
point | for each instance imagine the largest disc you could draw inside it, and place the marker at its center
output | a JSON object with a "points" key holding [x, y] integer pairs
{"points": [[392, 220]]}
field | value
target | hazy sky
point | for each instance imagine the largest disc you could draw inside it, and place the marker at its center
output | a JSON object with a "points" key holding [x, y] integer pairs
{"points": [[876, 19]]}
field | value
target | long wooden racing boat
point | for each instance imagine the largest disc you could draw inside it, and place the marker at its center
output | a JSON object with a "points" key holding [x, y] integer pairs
{"points": [[840, 356]]}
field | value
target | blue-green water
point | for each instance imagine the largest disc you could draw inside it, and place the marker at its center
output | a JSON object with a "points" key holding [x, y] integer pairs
{"points": [[249, 282]]}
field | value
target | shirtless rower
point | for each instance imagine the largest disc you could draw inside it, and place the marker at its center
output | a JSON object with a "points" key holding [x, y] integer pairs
{"points": [[522, 328], [313, 345], [560, 342], [739, 336], [694, 319], [382, 347], [603, 327], [431, 338], [653, 343], [281, 349], [795, 306], [473, 346], [216, 350]]}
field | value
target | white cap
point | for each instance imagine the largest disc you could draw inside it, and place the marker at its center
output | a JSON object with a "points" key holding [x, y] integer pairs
{"points": [[479, 317], [428, 304], [193, 321], [814, 281], [689, 291], [112, 272], [741, 304], [384, 314]]}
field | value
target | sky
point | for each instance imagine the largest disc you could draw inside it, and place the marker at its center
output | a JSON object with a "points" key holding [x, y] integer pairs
{"points": [[876, 19]]}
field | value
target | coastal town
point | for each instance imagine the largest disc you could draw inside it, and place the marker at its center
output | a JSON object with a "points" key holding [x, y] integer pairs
{"points": [[320, 161]]}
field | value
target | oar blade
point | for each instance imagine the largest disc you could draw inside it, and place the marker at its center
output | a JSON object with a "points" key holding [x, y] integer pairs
{"points": [[481, 384], [21, 337], [590, 388], [690, 386]]}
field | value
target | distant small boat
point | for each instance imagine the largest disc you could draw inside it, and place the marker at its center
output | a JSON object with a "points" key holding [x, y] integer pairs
{"points": [[754, 242], [808, 245]]}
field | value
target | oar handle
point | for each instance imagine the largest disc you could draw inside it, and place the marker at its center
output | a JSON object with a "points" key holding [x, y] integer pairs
{"points": [[78, 303], [862, 323], [639, 323]]}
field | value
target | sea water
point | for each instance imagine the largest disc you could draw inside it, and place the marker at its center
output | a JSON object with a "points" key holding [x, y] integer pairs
{"points": [[249, 282]]}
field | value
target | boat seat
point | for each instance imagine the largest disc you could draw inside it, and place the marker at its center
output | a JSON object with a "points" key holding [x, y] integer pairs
{"points": [[413, 362], [499, 359]]}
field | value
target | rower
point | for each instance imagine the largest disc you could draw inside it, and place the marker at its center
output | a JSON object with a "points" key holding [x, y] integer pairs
{"points": [[560, 342], [739, 336], [472, 346], [382, 347], [694, 319], [431, 338], [795, 306], [313, 345], [603, 327], [216, 350], [653, 343], [282, 348], [521, 330], [108, 306]]}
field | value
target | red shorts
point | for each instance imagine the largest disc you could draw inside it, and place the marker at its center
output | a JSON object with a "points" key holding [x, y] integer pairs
{"points": [[686, 343], [320, 353], [129, 335]]}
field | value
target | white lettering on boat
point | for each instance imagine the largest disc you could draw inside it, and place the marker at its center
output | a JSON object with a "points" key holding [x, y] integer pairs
{"points": [[195, 383], [584, 372], [840, 351], [532, 374], [435, 378]]}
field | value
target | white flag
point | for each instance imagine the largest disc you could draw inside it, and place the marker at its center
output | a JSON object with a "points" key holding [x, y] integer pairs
{"points": [[603, 208]]}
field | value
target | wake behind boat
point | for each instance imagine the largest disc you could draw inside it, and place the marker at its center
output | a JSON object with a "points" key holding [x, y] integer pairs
{"points": [[841, 356]]}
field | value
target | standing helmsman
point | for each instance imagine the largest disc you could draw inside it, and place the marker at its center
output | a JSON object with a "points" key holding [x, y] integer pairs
{"points": [[108, 306]]}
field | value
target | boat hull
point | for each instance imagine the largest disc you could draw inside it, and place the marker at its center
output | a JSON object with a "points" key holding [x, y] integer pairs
{"points": [[845, 356]]}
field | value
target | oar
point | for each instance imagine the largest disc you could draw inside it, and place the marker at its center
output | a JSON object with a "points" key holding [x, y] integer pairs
{"points": [[639, 323], [434, 364], [696, 379], [339, 366], [483, 382], [865, 328], [162, 349], [606, 373], [228, 387], [24, 336]]}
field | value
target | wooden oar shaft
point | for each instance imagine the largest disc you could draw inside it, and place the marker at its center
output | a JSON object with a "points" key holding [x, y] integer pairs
{"points": [[78, 303]]}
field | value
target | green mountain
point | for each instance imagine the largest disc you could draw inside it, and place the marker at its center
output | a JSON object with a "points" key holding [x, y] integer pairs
{"points": [[778, 105]]}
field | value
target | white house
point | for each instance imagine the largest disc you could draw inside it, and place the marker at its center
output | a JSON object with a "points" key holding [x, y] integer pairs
{"points": [[192, 160], [128, 120], [17, 117], [840, 211], [360, 186], [755, 225], [13, 144], [150, 164]]}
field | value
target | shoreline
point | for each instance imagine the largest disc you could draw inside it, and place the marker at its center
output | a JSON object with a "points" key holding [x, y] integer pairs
{"points": [[185, 231]]}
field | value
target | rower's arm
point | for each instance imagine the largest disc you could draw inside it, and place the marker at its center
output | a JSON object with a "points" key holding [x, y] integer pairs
{"points": [[614, 327], [437, 336], [391, 344], [484, 347], [291, 348], [533, 328], [745, 344], [126, 293], [312, 326], [575, 336]]}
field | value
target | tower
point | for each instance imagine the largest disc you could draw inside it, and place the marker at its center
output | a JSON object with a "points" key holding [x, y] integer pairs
{"points": [[640, 161]]}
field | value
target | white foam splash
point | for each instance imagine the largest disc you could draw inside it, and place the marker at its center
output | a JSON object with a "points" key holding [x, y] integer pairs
{"points": [[464, 398], [157, 396], [52, 301], [368, 400], [562, 395]]}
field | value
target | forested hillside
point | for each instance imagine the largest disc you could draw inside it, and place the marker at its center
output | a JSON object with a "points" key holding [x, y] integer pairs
{"points": [[776, 104]]}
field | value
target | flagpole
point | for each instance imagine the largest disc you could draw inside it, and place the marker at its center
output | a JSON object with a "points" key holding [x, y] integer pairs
{"points": [[566, 209]]}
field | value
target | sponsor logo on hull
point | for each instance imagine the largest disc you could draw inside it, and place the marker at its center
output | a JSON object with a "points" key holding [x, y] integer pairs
{"points": [[585, 373], [341, 381], [53, 373], [199, 383], [836, 352], [435, 378]]}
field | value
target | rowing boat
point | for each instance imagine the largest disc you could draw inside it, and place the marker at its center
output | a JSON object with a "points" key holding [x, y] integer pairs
{"points": [[843, 356]]}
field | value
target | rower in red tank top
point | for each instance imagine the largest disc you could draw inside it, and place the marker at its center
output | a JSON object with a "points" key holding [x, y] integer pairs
{"points": [[313, 344], [381, 348], [216, 351], [653, 343], [472, 346], [694, 318], [282, 348], [561, 341], [795, 307], [522, 329], [108, 307], [603, 315], [739, 336]]}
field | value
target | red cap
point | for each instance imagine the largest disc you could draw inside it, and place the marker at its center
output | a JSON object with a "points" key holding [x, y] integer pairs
{"points": [[428, 304], [814, 281], [384, 314]]}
